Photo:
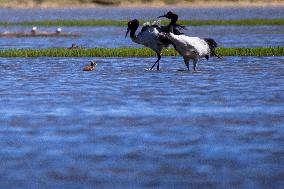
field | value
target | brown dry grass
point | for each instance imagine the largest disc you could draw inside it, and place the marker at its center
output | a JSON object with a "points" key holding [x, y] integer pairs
{"points": [[131, 3]]}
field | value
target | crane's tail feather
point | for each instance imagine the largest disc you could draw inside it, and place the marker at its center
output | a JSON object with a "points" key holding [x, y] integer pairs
{"points": [[212, 45]]}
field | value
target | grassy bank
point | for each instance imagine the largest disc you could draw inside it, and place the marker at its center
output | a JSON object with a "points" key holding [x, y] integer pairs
{"points": [[132, 52], [124, 22]]}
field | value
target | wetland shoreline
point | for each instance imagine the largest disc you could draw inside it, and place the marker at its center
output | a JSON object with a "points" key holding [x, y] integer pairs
{"points": [[132, 52], [123, 22]]}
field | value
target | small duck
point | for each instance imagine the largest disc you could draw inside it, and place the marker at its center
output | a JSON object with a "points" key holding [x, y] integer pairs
{"points": [[90, 67]]}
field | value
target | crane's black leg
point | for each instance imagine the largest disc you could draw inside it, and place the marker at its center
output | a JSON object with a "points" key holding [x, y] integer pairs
{"points": [[159, 57], [194, 63], [153, 65], [186, 62]]}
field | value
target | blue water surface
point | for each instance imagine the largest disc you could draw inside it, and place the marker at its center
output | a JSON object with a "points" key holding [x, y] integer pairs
{"points": [[122, 126], [126, 13], [114, 37]]}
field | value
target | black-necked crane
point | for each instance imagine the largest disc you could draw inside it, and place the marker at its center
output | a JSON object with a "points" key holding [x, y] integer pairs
{"points": [[190, 47], [151, 36], [174, 18]]}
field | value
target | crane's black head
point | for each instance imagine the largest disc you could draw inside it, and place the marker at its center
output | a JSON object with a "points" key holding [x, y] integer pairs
{"points": [[132, 27], [170, 15]]}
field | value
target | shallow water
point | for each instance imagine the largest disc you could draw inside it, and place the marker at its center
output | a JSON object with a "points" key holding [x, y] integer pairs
{"points": [[140, 13], [113, 37], [226, 36], [122, 126]]}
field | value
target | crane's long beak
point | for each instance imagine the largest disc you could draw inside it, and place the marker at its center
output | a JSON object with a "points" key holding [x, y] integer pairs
{"points": [[161, 16], [127, 32]]}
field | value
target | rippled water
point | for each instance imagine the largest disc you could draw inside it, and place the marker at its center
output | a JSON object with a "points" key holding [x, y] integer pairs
{"points": [[226, 36], [139, 13], [110, 36], [122, 126]]}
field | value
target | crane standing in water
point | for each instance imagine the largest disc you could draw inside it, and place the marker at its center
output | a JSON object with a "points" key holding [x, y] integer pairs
{"points": [[151, 36], [189, 47]]}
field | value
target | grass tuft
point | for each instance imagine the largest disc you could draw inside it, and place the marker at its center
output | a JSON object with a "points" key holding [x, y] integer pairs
{"points": [[124, 22], [132, 52]]}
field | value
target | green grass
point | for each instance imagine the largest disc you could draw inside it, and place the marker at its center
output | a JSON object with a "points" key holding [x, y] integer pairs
{"points": [[132, 52], [124, 22], [257, 51]]}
